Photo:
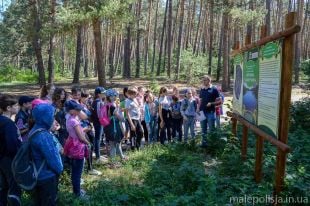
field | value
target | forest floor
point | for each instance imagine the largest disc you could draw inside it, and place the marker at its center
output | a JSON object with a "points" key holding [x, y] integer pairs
{"points": [[298, 91]]}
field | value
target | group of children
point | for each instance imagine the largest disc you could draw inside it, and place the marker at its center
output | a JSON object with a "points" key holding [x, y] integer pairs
{"points": [[82, 122]]}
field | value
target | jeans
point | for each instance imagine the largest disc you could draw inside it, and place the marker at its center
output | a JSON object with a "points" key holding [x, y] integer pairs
{"points": [[209, 121], [116, 148], [165, 132], [76, 173], [9, 190], [45, 192], [189, 124], [152, 129], [98, 135], [177, 128]]}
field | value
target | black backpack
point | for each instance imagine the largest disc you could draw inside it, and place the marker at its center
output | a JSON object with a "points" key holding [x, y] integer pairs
{"points": [[24, 170]]}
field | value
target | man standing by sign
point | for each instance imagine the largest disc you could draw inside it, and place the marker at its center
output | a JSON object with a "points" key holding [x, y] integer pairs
{"points": [[209, 98]]}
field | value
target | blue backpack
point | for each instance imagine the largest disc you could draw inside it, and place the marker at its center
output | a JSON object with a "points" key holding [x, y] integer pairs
{"points": [[24, 169]]}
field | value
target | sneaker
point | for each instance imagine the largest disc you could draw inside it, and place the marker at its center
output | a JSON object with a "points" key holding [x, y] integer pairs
{"points": [[101, 160], [94, 172]]}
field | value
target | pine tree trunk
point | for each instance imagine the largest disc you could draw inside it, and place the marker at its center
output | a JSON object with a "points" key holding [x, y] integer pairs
{"points": [[139, 4], [85, 52], [162, 40], [50, 67], [147, 40], [219, 60], [169, 39], [177, 72], [298, 44], [198, 27], [187, 25], [99, 53], [62, 54], [225, 85], [127, 51], [155, 38], [111, 57], [36, 40], [211, 36], [78, 55]]}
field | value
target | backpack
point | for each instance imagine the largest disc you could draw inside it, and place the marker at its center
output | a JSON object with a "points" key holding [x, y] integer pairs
{"points": [[24, 169], [103, 115], [176, 110]]}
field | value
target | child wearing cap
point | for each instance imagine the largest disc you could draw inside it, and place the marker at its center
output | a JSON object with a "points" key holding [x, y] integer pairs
{"points": [[87, 127], [113, 131], [95, 108], [133, 114], [23, 115], [75, 130]]}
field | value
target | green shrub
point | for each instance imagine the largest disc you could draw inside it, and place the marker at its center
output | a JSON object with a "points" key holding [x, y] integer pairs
{"points": [[300, 115]]}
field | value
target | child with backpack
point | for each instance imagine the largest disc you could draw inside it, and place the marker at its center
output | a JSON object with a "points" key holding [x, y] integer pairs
{"points": [[88, 129], [150, 117], [188, 111], [133, 114], [97, 103], [76, 146], [22, 117], [113, 131], [45, 155], [126, 123], [176, 118], [10, 141]]}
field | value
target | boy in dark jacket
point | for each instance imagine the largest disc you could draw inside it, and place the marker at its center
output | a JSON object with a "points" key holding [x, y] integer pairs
{"points": [[22, 117]]}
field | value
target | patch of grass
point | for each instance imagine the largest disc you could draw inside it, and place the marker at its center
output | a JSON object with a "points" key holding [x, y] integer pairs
{"points": [[185, 174]]}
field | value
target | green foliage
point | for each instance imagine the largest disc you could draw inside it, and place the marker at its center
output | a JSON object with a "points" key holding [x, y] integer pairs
{"points": [[185, 174], [300, 115], [193, 67], [154, 86], [10, 74], [305, 67]]}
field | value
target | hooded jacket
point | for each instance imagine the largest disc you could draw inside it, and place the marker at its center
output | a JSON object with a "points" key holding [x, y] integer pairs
{"points": [[42, 144]]}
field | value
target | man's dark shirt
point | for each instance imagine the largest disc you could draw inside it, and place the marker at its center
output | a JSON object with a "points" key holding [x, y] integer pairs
{"points": [[208, 95]]}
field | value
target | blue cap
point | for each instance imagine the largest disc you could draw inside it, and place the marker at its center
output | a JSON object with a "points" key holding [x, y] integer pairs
{"points": [[100, 90], [111, 93], [73, 105], [24, 99]]}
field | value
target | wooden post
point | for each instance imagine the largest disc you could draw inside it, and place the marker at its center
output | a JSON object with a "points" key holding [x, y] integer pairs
{"points": [[244, 146], [259, 139], [234, 126], [259, 158], [285, 95]]}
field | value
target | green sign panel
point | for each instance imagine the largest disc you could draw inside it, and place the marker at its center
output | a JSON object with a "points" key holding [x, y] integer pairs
{"points": [[257, 86]]}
